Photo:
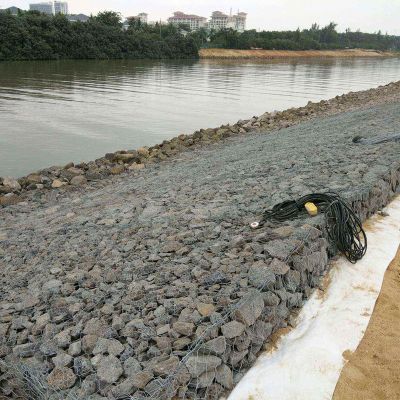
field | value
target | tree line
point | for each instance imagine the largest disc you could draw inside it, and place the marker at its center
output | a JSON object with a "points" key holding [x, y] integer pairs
{"points": [[315, 38], [32, 35]]}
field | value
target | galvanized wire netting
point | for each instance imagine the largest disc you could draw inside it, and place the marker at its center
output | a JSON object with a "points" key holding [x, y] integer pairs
{"points": [[207, 369]]}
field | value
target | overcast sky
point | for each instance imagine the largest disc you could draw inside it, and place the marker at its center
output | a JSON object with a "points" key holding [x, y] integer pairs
{"points": [[367, 15]]}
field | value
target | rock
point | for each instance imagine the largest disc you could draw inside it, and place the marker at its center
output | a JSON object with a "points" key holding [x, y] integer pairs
{"points": [[184, 328], [278, 267], [281, 249], [292, 279], [224, 376], [136, 167], [75, 171], [197, 365], [11, 184], [109, 369], [61, 378], [215, 346], [232, 329], [118, 169], [251, 309], [123, 390], [283, 231], [115, 347], [63, 339], [131, 367], [24, 350], [141, 379], [125, 157], [52, 285], [82, 367], [171, 247], [142, 151], [57, 184], [163, 368], [261, 276], [9, 199], [34, 178], [75, 348], [205, 310], [205, 379], [78, 180], [62, 360], [181, 343]]}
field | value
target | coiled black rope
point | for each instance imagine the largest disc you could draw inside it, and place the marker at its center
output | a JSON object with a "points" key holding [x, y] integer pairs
{"points": [[344, 227]]}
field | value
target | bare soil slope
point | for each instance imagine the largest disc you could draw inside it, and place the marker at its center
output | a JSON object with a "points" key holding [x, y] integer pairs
{"points": [[240, 54], [373, 370]]}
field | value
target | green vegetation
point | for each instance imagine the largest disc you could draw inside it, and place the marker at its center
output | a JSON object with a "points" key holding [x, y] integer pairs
{"points": [[315, 38], [35, 36]]}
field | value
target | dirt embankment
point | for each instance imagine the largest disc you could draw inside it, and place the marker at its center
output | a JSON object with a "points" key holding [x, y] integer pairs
{"points": [[267, 54], [373, 370]]}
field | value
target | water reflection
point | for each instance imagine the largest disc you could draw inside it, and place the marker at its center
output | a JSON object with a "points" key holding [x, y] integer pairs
{"points": [[54, 112]]}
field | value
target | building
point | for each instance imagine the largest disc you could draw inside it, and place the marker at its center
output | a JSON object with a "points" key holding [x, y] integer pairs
{"points": [[219, 20], [50, 8], [78, 17], [45, 7], [193, 21], [240, 21], [61, 7], [11, 10]]}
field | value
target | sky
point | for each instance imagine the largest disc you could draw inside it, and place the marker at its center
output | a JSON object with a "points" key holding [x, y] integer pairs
{"points": [[366, 15]]}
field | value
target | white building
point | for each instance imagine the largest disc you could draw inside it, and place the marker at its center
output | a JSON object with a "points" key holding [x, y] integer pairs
{"points": [[193, 21], [61, 7], [45, 7], [219, 20], [50, 8]]}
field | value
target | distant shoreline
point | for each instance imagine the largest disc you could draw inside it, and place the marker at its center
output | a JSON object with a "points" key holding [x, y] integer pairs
{"points": [[270, 54]]}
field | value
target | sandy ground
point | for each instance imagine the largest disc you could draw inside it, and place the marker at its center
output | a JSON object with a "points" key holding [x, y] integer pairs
{"points": [[267, 54], [373, 370]]}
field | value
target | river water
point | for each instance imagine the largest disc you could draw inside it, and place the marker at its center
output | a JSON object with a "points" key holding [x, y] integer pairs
{"points": [[55, 112]]}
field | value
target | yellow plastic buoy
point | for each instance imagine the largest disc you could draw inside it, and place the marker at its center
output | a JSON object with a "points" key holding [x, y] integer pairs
{"points": [[311, 209]]}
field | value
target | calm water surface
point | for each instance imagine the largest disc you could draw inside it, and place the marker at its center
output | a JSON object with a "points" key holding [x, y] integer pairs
{"points": [[55, 112]]}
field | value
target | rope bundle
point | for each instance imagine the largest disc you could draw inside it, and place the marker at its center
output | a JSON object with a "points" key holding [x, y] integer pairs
{"points": [[344, 227]]}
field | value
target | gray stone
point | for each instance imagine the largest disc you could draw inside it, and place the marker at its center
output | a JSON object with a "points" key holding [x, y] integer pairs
{"points": [[75, 348], [224, 376], [61, 378], [184, 328], [261, 276], [11, 184], [205, 379], [251, 309], [131, 367], [215, 346], [24, 350], [78, 180], [62, 360], [141, 379], [197, 365], [109, 369], [163, 368], [279, 267], [281, 249], [232, 329]]}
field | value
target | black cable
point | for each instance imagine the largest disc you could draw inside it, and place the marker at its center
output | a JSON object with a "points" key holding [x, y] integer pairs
{"points": [[344, 227]]}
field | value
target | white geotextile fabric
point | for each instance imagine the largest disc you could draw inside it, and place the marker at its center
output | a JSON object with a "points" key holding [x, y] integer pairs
{"points": [[307, 362]]}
